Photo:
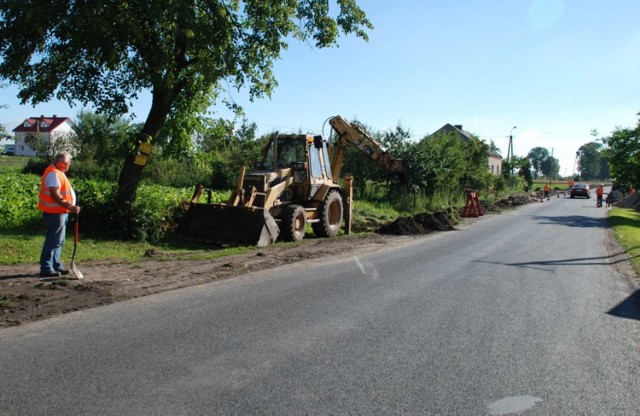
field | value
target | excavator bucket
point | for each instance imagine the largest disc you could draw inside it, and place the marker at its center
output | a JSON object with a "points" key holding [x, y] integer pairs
{"points": [[228, 224]]}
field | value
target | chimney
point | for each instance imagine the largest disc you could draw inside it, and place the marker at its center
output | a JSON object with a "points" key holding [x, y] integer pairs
{"points": [[458, 126]]}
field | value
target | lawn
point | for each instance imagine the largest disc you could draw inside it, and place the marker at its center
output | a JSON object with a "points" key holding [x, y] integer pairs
{"points": [[626, 225]]}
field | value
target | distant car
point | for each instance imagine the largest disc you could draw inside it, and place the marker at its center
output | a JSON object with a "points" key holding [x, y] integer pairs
{"points": [[581, 189]]}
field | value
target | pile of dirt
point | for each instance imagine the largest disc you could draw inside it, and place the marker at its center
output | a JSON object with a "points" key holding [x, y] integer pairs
{"points": [[630, 201], [511, 201], [423, 223]]}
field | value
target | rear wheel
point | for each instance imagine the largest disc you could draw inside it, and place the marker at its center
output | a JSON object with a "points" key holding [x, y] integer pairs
{"points": [[330, 215], [294, 223]]}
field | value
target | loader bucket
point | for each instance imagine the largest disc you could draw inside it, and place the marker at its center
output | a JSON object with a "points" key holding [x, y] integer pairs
{"points": [[221, 223]]}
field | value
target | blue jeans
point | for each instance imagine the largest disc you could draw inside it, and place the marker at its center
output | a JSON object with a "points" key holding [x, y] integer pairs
{"points": [[50, 260]]}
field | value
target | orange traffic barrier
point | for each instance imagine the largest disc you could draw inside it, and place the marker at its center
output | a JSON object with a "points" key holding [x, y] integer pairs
{"points": [[472, 206]]}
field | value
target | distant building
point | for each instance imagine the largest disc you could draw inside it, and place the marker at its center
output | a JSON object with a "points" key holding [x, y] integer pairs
{"points": [[494, 161], [44, 128]]}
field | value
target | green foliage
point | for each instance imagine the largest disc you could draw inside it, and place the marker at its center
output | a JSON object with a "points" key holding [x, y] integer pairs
{"points": [[364, 170], [180, 173], [623, 154], [589, 156], [475, 174], [36, 166], [225, 146], [18, 200], [537, 156], [438, 163], [101, 139], [551, 167], [14, 164], [541, 162], [154, 217]]}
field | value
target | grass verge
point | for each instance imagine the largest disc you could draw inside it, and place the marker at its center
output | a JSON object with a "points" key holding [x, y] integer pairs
{"points": [[24, 246], [626, 225]]}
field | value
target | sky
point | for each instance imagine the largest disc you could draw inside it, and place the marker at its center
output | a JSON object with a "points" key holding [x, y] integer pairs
{"points": [[547, 72]]}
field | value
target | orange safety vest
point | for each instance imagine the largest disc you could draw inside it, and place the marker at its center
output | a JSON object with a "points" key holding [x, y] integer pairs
{"points": [[599, 191], [46, 203], [546, 188]]}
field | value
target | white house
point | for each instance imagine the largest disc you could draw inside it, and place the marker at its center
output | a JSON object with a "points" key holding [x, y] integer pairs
{"points": [[44, 128]]}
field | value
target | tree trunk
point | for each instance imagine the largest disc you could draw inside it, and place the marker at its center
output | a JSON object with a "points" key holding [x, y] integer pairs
{"points": [[131, 172]]}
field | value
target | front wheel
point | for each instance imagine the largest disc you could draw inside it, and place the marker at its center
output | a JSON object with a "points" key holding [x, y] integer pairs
{"points": [[330, 215], [294, 223]]}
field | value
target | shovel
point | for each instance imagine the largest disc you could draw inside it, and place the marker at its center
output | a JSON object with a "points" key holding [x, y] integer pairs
{"points": [[77, 274]]}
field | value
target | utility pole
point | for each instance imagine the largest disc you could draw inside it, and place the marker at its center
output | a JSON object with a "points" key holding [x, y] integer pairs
{"points": [[510, 150]]}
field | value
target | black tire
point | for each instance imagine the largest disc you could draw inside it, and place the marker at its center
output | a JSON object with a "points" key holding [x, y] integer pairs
{"points": [[294, 223], [330, 214]]}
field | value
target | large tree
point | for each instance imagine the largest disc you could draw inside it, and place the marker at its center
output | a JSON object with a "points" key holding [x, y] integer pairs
{"points": [[105, 52], [537, 156], [550, 167], [623, 152], [589, 155]]}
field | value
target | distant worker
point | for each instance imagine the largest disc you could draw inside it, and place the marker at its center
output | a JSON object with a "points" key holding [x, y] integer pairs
{"points": [[599, 193], [571, 183], [610, 199], [547, 189]]}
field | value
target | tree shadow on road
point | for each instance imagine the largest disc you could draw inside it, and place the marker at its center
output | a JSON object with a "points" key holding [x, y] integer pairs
{"points": [[628, 308], [579, 221], [608, 260]]}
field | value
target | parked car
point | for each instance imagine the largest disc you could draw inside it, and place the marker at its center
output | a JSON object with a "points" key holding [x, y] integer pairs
{"points": [[580, 189]]}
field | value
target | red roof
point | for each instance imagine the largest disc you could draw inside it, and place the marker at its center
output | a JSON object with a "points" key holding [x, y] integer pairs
{"points": [[40, 124]]}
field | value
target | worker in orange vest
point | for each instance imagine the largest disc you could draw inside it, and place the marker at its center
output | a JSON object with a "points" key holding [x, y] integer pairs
{"points": [[547, 189], [571, 183], [599, 193], [56, 200]]}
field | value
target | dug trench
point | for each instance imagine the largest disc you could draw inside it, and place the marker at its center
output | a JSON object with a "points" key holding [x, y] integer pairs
{"points": [[25, 298]]}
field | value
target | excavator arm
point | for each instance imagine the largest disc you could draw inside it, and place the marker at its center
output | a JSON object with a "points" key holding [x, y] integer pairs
{"points": [[350, 134]]}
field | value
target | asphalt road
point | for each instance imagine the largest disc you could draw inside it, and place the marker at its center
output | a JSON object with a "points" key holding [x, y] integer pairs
{"points": [[525, 312]]}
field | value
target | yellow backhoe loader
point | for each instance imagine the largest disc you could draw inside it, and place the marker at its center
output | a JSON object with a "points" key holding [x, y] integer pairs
{"points": [[296, 185]]}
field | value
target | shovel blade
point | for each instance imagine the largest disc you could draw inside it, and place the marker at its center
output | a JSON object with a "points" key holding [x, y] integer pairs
{"points": [[75, 274]]}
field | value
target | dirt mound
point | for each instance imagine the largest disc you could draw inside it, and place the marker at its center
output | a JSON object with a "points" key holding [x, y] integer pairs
{"points": [[629, 201], [423, 223], [505, 203]]}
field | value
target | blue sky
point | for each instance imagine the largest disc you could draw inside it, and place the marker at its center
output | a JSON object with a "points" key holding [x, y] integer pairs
{"points": [[556, 69]]}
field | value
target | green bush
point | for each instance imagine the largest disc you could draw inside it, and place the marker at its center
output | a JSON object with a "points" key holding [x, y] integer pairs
{"points": [[155, 214], [19, 200]]}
